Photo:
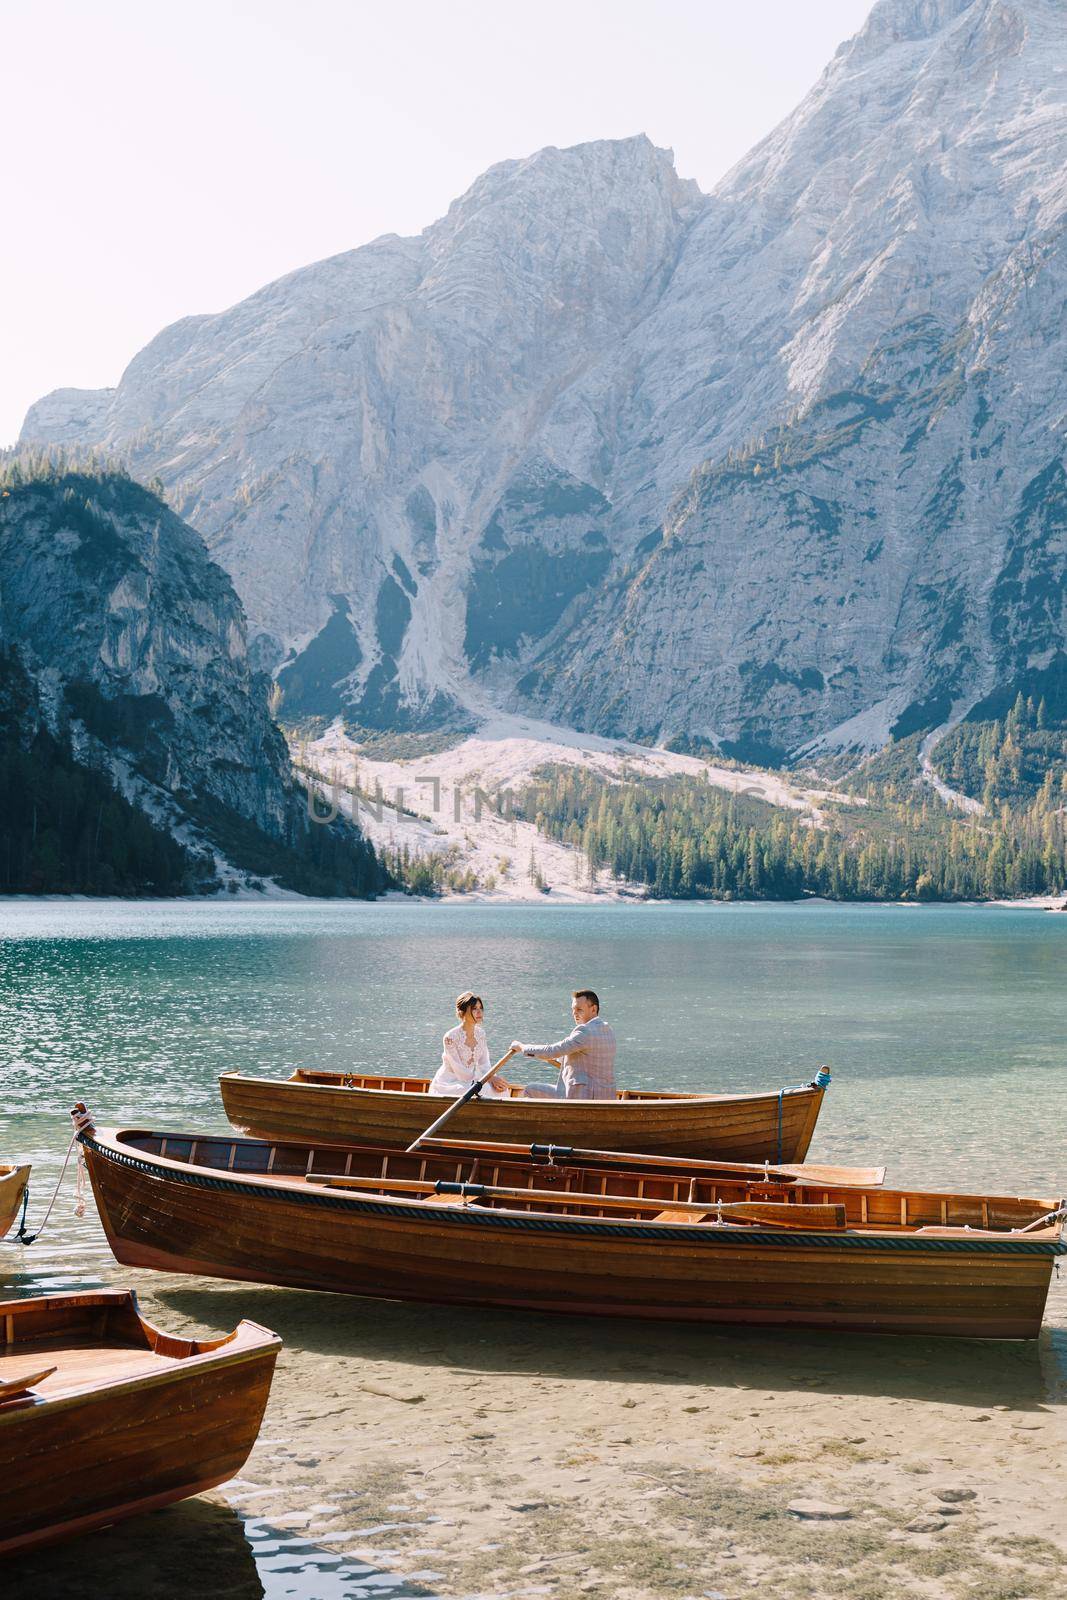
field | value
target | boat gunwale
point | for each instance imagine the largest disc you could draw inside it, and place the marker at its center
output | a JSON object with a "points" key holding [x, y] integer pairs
{"points": [[656, 1097], [108, 1144]]}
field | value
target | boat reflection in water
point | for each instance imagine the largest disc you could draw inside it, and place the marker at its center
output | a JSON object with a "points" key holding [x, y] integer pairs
{"points": [[212, 1549]]}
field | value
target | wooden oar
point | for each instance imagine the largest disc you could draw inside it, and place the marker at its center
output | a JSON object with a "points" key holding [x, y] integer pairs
{"points": [[475, 1089], [779, 1213], [756, 1171], [11, 1388]]}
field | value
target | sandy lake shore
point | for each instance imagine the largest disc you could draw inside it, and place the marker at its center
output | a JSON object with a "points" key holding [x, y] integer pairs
{"points": [[487, 1453]]}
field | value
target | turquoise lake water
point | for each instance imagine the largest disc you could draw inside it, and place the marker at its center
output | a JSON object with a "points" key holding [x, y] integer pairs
{"points": [[945, 1027]]}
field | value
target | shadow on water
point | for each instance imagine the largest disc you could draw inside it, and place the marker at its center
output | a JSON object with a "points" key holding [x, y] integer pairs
{"points": [[978, 1372], [202, 1548]]}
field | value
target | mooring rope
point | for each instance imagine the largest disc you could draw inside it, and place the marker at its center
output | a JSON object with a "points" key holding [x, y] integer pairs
{"points": [[82, 1120]]}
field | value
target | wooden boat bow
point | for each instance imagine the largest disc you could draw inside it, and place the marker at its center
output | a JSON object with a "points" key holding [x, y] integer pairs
{"points": [[14, 1188], [103, 1415]]}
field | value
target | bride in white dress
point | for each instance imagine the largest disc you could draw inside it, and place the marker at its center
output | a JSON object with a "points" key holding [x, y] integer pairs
{"points": [[465, 1053]]}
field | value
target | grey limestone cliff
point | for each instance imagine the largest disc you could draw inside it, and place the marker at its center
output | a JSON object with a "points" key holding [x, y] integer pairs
{"points": [[777, 466]]}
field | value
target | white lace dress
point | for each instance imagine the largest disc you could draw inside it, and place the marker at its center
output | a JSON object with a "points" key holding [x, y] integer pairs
{"points": [[462, 1063]]}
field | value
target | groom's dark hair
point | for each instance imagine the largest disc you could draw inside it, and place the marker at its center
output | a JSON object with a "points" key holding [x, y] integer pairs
{"points": [[586, 994]]}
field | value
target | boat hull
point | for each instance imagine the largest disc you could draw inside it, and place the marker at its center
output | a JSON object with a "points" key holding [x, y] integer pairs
{"points": [[13, 1181], [75, 1461], [280, 1232], [750, 1127]]}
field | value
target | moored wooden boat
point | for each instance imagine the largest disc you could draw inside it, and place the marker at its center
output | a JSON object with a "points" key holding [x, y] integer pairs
{"points": [[103, 1416], [13, 1181], [354, 1108], [477, 1227]]}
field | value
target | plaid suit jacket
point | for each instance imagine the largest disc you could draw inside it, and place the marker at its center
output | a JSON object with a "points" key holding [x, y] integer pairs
{"points": [[588, 1056]]}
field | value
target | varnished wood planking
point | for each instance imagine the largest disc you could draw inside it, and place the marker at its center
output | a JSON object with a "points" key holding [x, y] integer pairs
{"points": [[424, 1264], [101, 1440], [153, 1222], [742, 1128]]}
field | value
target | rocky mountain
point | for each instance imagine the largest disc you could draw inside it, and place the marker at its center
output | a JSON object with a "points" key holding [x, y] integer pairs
{"points": [[123, 647], [779, 467]]}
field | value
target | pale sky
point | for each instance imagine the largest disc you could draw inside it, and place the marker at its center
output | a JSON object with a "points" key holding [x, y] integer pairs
{"points": [[163, 158]]}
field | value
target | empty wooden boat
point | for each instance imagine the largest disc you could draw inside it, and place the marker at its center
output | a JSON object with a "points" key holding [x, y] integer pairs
{"points": [[353, 1108], [13, 1181], [103, 1416], [474, 1226]]}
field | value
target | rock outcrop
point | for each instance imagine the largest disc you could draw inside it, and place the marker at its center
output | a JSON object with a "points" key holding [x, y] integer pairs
{"points": [[133, 640]]}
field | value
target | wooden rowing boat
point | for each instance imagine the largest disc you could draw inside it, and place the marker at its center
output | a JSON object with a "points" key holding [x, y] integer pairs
{"points": [[13, 1181], [353, 1108], [477, 1227], [103, 1416]]}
